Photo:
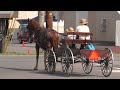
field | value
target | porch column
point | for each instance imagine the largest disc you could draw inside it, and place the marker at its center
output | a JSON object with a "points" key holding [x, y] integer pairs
{"points": [[49, 21]]}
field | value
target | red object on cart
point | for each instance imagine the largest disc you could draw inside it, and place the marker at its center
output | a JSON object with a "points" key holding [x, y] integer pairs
{"points": [[93, 55]]}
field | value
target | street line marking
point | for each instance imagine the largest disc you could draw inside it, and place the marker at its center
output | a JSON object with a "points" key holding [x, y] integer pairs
{"points": [[115, 70]]}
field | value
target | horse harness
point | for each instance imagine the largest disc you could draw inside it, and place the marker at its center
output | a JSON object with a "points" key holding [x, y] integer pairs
{"points": [[41, 37]]}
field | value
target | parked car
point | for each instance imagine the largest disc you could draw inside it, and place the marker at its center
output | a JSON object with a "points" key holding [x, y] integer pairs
{"points": [[23, 34]]}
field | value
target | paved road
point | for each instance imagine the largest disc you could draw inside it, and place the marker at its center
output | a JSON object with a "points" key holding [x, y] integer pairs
{"points": [[21, 67]]}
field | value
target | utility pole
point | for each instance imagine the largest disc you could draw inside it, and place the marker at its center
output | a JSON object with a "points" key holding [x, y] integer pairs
{"points": [[49, 19], [62, 15], [41, 15]]}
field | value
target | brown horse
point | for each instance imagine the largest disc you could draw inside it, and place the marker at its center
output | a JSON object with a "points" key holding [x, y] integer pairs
{"points": [[44, 38]]}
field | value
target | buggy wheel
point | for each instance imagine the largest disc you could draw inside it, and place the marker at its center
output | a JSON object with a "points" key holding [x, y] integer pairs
{"points": [[107, 63], [67, 61], [87, 66], [50, 61]]}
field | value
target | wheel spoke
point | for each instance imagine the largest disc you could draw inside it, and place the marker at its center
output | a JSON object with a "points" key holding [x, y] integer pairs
{"points": [[107, 71], [67, 61], [106, 67], [50, 60], [87, 66]]}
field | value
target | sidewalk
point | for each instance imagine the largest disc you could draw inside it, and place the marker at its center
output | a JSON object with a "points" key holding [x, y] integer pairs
{"points": [[29, 48], [19, 49]]}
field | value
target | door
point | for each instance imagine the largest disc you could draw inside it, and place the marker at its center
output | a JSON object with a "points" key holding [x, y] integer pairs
{"points": [[117, 33]]}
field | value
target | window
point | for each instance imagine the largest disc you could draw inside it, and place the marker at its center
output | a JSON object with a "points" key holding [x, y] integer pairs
{"points": [[103, 25], [2, 26]]}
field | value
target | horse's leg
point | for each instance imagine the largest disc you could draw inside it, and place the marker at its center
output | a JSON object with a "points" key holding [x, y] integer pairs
{"points": [[56, 46], [37, 56], [45, 60]]}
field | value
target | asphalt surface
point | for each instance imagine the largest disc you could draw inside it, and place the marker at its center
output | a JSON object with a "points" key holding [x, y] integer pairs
{"points": [[21, 67]]}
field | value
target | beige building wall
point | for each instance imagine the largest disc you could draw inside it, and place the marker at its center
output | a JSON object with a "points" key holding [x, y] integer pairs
{"points": [[95, 23], [8, 14], [91, 23], [69, 19], [24, 15], [72, 18], [27, 14]]}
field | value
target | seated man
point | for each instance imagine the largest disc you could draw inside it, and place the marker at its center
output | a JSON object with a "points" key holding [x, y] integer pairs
{"points": [[83, 28], [70, 29]]}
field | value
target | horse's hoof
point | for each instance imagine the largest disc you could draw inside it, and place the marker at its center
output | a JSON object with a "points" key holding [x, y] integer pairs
{"points": [[35, 68]]}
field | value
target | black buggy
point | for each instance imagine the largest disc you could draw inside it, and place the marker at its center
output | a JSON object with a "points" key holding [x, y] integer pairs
{"points": [[69, 56]]}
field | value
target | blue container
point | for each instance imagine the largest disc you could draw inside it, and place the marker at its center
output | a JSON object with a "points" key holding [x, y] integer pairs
{"points": [[90, 47]]}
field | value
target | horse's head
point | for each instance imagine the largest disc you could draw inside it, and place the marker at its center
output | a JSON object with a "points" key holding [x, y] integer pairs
{"points": [[34, 28], [32, 25]]}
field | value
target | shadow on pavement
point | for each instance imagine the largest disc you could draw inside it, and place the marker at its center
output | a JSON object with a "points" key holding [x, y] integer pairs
{"points": [[18, 69], [57, 73], [61, 74]]}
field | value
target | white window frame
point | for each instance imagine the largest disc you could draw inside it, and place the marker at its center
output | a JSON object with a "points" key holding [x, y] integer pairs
{"points": [[103, 25]]}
